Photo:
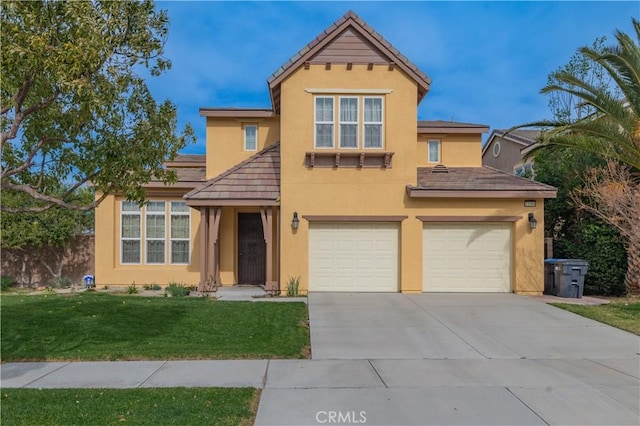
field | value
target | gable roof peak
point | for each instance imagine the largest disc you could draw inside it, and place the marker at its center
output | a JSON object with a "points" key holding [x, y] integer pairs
{"points": [[372, 39]]}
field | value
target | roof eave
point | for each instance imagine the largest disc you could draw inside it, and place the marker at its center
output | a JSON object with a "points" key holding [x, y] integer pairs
{"points": [[236, 113], [454, 130], [195, 202], [418, 192]]}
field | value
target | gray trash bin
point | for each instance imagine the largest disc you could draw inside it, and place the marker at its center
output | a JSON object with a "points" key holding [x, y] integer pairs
{"points": [[567, 279]]}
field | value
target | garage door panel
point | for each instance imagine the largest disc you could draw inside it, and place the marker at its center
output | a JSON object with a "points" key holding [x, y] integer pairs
{"points": [[361, 257], [466, 257]]}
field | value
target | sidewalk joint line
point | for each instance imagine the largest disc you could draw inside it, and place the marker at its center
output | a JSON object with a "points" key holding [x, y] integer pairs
{"points": [[266, 373], [377, 373], [45, 375], [447, 327], [152, 374], [526, 405], [610, 368]]}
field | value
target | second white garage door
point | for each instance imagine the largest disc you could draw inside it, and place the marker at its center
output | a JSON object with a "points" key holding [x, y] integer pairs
{"points": [[353, 257], [467, 257]]}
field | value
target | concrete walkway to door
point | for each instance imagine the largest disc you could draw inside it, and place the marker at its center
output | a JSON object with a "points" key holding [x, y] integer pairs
{"points": [[433, 359]]}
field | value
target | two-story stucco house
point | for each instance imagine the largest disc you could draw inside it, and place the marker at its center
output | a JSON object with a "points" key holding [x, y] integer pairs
{"points": [[337, 183]]}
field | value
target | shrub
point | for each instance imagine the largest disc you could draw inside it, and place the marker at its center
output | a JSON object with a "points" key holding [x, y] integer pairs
{"points": [[132, 289], [156, 287], [5, 282], [601, 246], [292, 286], [176, 290], [61, 282]]}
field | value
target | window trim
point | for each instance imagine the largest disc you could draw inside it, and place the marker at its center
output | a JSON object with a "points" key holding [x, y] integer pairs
{"points": [[245, 127], [171, 239], [439, 145], [123, 239], [316, 122], [148, 213], [356, 123], [381, 123]]}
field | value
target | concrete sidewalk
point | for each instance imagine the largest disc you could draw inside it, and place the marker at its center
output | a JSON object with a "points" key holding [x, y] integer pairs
{"points": [[384, 392]]}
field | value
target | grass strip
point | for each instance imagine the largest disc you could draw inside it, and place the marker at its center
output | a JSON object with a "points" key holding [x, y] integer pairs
{"points": [[166, 406], [624, 315]]}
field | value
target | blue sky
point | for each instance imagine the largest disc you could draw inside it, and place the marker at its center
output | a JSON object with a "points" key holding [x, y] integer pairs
{"points": [[487, 60]]}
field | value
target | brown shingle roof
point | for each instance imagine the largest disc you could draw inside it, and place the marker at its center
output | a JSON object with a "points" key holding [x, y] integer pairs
{"points": [[255, 179], [480, 182], [348, 20], [189, 158]]}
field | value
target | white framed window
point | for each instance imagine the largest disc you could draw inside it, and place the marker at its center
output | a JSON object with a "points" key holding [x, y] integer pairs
{"points": [[250, 137], [324, 122], [180, 232], [130, 232], [433, 154], [372, 123], [348, 122], [155, 232]]}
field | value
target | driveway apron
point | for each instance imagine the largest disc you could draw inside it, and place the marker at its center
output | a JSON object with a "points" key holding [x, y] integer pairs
{"points": [[453, 359]]}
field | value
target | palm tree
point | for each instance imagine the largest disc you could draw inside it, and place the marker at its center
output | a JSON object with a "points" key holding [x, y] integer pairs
{"points": [[612, 131]]}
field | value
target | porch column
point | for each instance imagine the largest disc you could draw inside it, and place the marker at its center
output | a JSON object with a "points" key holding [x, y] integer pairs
{"points": [[213, 258], [267, 230], [204, 237]]}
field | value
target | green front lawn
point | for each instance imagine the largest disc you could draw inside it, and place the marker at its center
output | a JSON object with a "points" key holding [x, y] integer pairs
{"points": [[92, 326], [624, 314], [167, 406]]}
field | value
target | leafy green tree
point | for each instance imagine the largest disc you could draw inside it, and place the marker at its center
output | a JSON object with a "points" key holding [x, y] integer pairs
{"points": [[610, 131], [75, 108]]}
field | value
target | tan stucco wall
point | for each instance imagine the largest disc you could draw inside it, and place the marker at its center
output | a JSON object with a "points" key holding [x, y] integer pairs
{"points": [[110, 271], [225, 141], [344, 191], [458, 150]]}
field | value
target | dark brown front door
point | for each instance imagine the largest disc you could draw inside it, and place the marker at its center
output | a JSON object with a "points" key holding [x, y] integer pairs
{"points": [[251, 249]]}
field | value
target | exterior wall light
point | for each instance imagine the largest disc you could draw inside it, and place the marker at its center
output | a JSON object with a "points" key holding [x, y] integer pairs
{"points": [[295, 222], [533, 223]]}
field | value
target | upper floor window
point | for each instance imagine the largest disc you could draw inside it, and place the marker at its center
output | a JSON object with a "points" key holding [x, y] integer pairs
{"points": [[372, 122], [433, 155], [250, 137], [360, 122], [348, 122], [324, 122]]}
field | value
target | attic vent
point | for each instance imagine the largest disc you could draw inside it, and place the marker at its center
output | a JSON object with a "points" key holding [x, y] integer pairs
{"points": [[440, 168]]}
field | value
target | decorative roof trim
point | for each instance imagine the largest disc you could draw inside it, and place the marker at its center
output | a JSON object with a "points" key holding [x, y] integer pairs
{"points": [[452, 130], [350, 91]]}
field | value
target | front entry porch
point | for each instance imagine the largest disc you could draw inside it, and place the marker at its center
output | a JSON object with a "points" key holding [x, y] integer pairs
{"points": [[253, 247], [240, 223]]}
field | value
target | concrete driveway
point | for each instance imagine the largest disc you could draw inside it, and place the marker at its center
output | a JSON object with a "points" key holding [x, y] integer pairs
{"points": [[427, 359]]}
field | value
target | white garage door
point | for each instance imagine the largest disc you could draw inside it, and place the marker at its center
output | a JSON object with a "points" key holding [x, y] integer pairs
{"points": [[467, 257], [353, 257]]}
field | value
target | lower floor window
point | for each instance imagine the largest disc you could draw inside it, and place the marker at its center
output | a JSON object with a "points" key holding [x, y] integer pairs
{"points": [[145, 234]]}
